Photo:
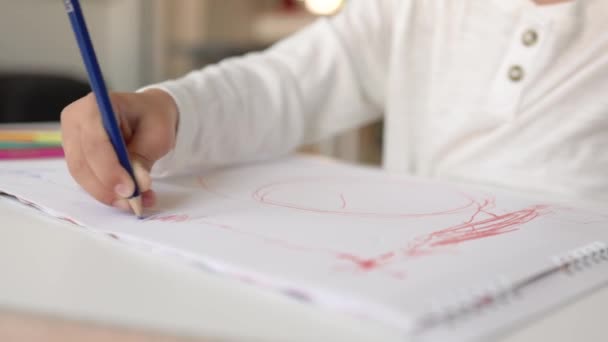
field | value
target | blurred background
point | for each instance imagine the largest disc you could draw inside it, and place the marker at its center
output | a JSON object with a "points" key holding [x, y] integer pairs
{"points": [[139, 42]]}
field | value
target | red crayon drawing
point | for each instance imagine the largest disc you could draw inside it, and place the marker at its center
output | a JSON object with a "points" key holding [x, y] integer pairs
{"points": [[173, 218], [475, 229], [367, 264], [485, 221], [169, 218], [270, 194]]}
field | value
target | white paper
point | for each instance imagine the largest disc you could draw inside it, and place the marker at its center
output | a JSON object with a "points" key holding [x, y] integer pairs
{"points": [[380, 246]]}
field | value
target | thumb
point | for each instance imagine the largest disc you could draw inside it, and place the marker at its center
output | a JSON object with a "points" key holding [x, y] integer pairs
{"points": [[141, 169]]}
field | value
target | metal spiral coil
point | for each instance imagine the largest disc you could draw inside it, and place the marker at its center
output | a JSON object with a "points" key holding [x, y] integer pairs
{"points": [[496, 293], [584, 257]]}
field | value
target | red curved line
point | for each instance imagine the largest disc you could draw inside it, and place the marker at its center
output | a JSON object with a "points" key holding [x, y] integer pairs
{"points": [[365, 214], [470, 230], [261, 195]]}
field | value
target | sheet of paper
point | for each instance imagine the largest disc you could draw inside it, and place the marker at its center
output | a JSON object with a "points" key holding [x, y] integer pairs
{"points": [[376, 245]]}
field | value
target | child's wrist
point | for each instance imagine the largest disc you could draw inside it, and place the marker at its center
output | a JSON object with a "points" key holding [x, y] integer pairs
{"points": [[164, 100]]}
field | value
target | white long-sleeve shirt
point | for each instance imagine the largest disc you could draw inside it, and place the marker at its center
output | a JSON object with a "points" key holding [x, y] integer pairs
{"points": [[495, 92]]}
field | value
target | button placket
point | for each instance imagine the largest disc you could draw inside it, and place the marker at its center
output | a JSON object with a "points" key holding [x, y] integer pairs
{"points": [[510, 83]]}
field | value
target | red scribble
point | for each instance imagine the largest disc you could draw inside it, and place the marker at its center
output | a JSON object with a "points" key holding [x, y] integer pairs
{"points": [[170, 218], [483, 207], [475, 229], [483, 223], [367, 264], [361, 263]]}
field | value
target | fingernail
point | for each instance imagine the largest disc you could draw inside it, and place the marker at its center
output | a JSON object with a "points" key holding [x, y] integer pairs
{"points": [[123, 190], [121, 204]]}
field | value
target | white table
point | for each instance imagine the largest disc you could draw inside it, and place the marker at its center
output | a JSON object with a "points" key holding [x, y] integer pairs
{"points": [[54, 268]]}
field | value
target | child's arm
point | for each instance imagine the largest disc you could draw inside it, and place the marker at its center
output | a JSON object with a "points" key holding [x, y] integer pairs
{"points": [[328, 78], [325, 79]]}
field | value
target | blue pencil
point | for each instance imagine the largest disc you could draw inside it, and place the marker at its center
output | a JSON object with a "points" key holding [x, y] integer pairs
{"points": [[101, 93]]}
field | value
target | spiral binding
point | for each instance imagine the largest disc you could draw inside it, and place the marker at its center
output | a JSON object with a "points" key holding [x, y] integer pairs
{"points": [[583, 258], [501, 292]]}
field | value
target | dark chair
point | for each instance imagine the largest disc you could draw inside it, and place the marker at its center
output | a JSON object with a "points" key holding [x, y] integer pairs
{"points": [[29, 97]]}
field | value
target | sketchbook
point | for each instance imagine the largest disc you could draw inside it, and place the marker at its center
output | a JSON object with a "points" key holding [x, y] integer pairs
{"points": [[430, 259]]}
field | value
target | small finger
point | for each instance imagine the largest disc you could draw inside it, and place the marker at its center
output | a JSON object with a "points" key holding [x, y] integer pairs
{"points": [[86, 178], [122, 204], [103, 162]]}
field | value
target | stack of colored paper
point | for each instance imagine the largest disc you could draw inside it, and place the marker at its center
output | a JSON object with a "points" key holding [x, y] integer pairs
{"points": [[30, 144]]}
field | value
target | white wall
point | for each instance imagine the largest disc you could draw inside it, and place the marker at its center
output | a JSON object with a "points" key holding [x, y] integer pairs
{"points": [[35, 35]]}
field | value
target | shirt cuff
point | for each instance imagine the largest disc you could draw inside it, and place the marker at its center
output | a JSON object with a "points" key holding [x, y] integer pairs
{"points": [[176, 161]]}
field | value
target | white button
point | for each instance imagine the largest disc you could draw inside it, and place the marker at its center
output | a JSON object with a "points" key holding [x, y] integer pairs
{"points": [[529, 38], [516, 73]]}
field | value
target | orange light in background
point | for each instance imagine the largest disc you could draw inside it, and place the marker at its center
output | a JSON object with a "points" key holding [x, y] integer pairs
{"points": [[323, 7]]}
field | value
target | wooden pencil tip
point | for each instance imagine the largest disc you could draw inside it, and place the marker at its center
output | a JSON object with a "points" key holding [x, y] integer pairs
{"points": [[137, 206]]}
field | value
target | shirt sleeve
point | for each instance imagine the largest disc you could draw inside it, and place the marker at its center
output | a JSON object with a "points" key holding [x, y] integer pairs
{"points": [[325, 79]]}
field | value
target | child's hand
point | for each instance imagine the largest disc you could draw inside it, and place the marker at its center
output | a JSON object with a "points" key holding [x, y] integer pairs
{"points": [[148, 122]]}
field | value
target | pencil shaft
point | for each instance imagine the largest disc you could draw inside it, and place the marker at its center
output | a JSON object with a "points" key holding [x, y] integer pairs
{"points": [[97, 82]]}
